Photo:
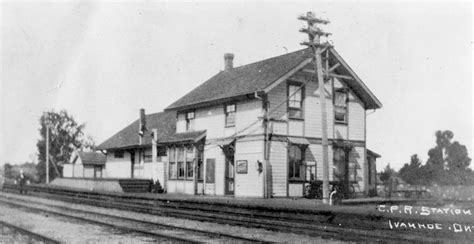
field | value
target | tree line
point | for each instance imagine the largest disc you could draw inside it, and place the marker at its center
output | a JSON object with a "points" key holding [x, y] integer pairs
{"points": [[447, 164], [65, 136]]}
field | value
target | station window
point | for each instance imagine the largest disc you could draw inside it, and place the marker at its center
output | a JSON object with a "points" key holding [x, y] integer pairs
{"points": [[189, 162], [172, 164], [295, 101], [230, 115], [296, 162], [180, 163], [340, 161], [190, 121], [118, 154], [340, 106], [353, 172], [161, 152], [147, 156]]}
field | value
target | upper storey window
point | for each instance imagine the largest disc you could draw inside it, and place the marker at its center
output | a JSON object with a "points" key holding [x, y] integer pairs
{"points": [[190, 120], [230, 115], [340, 106], [295, 101]]}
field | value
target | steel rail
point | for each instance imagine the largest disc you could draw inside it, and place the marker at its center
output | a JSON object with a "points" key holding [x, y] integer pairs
{"points": [[207, 233], [123, 228], [251, 220], [29, 233], [312, 227]]}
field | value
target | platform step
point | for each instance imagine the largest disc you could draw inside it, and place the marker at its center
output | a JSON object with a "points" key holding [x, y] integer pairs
{"points": [[135, 185]]}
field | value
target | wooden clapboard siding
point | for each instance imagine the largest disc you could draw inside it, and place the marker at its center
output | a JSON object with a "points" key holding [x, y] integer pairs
{"points": [[312, 118], [181, 123], [118, 167], [247, 117], [296, 127], [67, 170], [210, 119], [340, 131], [312, 108], [314, 152], [356, 119], [160, 172], [295, 190], [229, 131], [88, 171], [279, 168], [181, 186], [78, 170], [278, 111], [279, 127], [251, 183]]}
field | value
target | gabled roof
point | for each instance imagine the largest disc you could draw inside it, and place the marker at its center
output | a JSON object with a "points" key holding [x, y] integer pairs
{"points": [[94, 158], [254, 77], [242, 80], [165, 122]]}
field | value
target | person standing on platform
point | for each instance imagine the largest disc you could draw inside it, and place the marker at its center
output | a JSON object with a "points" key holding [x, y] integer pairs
{"points": [[22, 182]]}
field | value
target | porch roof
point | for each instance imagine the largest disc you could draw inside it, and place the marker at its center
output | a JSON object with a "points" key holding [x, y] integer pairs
{"points": [[165, 122], [372, 154], [298, 140], [92, 158]]}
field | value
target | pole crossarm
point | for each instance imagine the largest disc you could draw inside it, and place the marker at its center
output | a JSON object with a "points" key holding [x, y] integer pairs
{"points": [[329, 75], [317, 45], [315, 32], [314, 35], [345, 77], [312, 19]]}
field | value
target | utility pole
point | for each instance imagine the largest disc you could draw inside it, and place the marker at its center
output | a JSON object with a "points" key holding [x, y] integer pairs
{"points": [[314, 34], [47, 153], [266, 193]]}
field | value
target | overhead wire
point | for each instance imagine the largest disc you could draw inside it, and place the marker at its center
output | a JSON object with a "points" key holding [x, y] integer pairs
{"points": [[235, 135]]}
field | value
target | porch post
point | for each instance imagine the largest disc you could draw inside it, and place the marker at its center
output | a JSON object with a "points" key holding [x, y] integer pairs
{"points": [[154, 151]]}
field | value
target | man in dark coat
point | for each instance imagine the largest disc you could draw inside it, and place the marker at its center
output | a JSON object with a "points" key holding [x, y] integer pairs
{"points": [[22, 182]]}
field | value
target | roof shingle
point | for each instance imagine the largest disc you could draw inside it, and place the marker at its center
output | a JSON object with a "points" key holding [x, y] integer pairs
{"points": [[94, 158], [242, 80], [165, 122], [253, 77]]}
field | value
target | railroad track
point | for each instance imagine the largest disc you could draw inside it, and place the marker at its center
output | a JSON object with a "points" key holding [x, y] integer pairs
{"points": [[322, 225], [32, 236], [143, 227]]}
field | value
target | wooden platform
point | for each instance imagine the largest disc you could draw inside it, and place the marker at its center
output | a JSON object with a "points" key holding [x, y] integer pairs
{"points": [[127, 185]]}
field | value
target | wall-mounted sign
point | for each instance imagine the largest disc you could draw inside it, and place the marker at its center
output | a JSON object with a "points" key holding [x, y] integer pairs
{"points": [[242, 167]]}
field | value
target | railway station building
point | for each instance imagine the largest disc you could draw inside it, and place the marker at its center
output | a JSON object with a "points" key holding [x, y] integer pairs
{"points": [[84, 165], [253, 131]]}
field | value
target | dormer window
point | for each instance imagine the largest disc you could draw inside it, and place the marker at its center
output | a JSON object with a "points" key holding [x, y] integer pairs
{"points": [[340, 106], [295, 101], [190, 121], [230, 115]]}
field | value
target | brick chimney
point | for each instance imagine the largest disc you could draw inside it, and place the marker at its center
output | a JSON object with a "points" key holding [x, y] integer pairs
{"points": [[228, 61]]}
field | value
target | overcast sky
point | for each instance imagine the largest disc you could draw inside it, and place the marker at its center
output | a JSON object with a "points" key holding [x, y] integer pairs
{"points": [[104, 61]]}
